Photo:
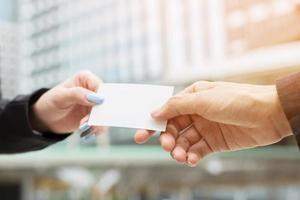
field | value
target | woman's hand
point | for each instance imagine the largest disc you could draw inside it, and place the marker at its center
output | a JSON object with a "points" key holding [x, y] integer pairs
{"points": [[210, 117], [66, 106]]}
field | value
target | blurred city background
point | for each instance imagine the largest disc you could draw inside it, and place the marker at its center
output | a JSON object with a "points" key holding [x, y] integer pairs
{"points": [[170, 42]]}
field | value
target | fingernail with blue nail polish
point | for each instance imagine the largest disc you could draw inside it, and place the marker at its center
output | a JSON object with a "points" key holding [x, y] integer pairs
{"points": [[84, 127], [86, 133], [94, 98]]}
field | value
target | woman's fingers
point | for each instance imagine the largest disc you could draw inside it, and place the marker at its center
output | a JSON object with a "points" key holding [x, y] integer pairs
{"points": [[93, 130], [80, 89], [86, 130], [85, 79], [85, 119], [82, 96], [89, 81], [142, 136], [66, 97]]}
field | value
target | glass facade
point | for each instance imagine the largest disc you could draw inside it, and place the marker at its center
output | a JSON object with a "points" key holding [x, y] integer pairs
{"points": [[121, 41], [8, 11]]}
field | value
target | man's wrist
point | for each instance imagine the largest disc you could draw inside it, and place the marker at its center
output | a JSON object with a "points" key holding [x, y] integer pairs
{"points": [[280, 122], [288, 91]]}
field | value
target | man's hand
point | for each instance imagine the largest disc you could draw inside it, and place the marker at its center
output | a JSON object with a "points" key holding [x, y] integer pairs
{"points": [[66, 106], [210, 117]]}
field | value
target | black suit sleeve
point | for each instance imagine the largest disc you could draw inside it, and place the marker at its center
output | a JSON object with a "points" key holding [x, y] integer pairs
{"points": [[16, 134]]}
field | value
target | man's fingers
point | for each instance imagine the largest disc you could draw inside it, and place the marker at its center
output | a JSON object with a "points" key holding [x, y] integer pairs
{"points": [[198, 86], [168, 138], [179, 152], [177, 106], [185, 102], [197, 152], [191, 134], [182, 122], [174, 127], [188, 138], [142, 136], [167, 141]]}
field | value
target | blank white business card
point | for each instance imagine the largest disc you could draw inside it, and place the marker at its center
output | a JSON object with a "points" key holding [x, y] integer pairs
{"points": [[130, 106]]}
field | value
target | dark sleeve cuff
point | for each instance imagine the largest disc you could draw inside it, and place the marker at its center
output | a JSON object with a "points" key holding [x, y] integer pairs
{"points": [[17, 135], [288, 89]]}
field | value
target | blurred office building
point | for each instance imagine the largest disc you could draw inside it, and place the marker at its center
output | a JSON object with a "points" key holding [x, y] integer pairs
{"points": [[10, 40], [111, 38], [146, 41], [253, 24], [121, 41], [9, 59]]}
